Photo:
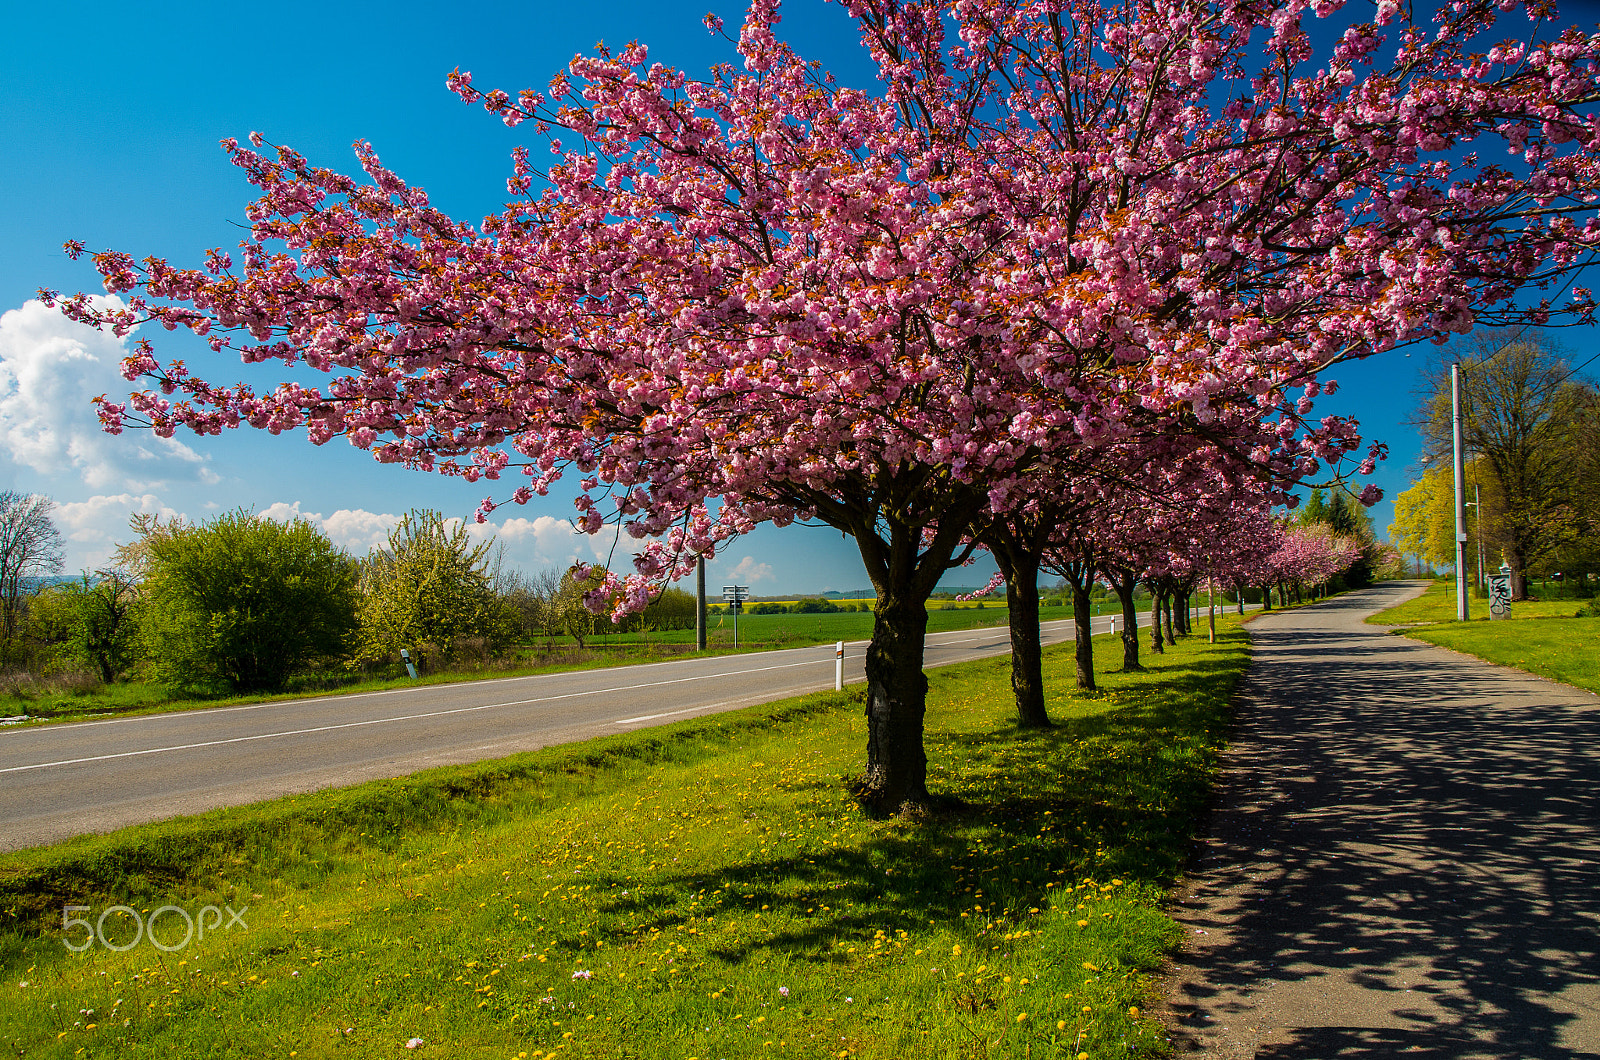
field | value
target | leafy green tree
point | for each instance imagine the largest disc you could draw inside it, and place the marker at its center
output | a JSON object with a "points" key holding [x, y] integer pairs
{"points": [[428, 590], [104, 622], [1314, 510], [1523, 412], [244, 602], [567, 613], [671, 609]]}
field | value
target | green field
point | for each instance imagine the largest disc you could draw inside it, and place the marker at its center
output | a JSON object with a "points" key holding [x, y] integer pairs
{"points": [[1541, 636], [707, 890]]}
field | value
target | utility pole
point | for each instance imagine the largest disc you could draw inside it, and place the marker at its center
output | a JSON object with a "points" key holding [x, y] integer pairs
{"points": [[1460, 484], [700, 604], [1477, 503]]}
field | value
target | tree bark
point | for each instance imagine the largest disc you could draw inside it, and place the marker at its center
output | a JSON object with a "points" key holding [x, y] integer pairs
{"points": [[1155, 622], [1083, 631], [1080, 577], [886, 516], [897, 691], [1021, 569], [1171, 638], [1123, 583]]}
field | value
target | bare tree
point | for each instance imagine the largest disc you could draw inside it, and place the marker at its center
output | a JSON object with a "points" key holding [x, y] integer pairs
{"points": [[1521, 411], [30, 547]]}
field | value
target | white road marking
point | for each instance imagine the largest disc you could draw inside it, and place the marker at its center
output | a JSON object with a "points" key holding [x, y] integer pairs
{"points": [[685, 710], [432, 714], [406, 717]]}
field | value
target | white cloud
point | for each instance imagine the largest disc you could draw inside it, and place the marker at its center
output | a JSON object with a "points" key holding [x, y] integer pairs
{"points": [[532, 544], [748, 572], [51, 369], [95, 527], [357, 531]]}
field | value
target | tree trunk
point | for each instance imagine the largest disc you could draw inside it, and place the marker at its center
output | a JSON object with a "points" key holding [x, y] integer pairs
{"points": [[897, 691], [1083, 650], [1130, 621], [1155, 623], [1168, 598], [1021, 569], [1266, 597]]}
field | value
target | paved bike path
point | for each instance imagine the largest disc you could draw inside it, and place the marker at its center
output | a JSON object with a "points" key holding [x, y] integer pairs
{"points": [[1405, 861]]}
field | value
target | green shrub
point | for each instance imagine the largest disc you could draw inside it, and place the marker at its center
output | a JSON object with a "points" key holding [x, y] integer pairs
{"points": [[241, 603]]}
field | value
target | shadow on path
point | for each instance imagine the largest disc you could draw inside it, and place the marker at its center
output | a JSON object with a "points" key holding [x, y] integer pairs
{"points": [[1406, 860]]}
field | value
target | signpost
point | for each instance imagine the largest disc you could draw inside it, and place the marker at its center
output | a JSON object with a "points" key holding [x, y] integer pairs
{"points": [[735, 595]]}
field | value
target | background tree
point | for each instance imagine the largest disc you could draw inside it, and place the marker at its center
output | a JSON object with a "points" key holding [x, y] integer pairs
{"points": [[1343, 515], [1581, 558], [135, 557], [30, 549], [1425, 516], [1522, 413], [242, 603], [429, 589], [568, 613], [105, 621]]}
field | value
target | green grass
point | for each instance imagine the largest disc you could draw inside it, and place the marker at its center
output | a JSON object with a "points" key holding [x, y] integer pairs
{"points": [[724, 894], [1438, 604], [800, 630], [756, 633], [1541, 636]]}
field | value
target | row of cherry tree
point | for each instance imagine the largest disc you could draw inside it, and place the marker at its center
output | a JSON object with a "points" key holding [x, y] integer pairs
{"points": [[1066, 258]]}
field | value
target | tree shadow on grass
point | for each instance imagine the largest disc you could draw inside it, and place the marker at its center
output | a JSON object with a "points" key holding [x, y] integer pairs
{"points": [[1115, 794]]}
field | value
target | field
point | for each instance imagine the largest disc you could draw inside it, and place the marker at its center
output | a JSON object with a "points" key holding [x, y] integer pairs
{"points": [[707, 890], [1542, 636]]}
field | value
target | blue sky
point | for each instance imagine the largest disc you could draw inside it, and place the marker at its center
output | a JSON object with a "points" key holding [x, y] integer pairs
{"points": [[112, 114]]}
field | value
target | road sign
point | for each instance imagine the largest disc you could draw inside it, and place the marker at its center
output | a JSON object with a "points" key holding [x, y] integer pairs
{"points": [[735, 595]]}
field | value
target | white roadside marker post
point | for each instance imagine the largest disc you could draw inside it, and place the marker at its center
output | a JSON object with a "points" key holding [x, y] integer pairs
{"points": [[411, 667], [838, 666]]}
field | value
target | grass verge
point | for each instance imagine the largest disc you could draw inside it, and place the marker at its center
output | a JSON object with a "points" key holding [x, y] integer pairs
{"points": [[1438, 604], [704, 890], [1562, 649], [1542, 637]]}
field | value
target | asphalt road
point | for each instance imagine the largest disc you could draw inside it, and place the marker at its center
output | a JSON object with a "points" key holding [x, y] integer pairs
{"points": [[1405, 861], [58, 781]]}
